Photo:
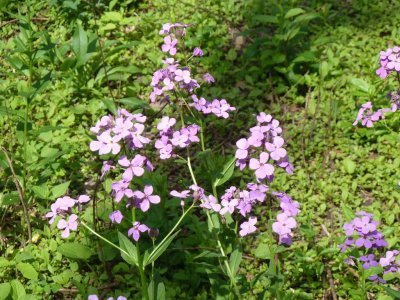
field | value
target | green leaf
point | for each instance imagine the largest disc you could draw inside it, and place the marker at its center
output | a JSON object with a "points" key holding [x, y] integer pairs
{"points": [[27, 270], [294, 12], [347, 212], [362, 85], [129, 247], [5, 289], [226, 173], [75, 250], [234, 261], [60, 190], [41, 191], [159, 249], [156, 289], [323, 70], [134, 103], [9, 198], [265, 19], [349, 165], [263, 251], [373, 271], [391, 292], [80, 45], [109, 103], [18, 289], [5, 262]]}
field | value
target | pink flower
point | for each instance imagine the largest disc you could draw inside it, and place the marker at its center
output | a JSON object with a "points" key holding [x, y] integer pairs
{"points": [[284, 224], [71, 224], [169, 45], [136, 230], [248, 227], [144, 199], [263, 169], [116, 217]]}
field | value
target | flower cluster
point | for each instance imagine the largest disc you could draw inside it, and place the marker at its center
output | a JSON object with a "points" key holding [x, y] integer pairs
{"points": [[367, 116], [361, 233], [173, 76], [389, 62], [169, 79], [219, 108], [169, 139], [111, 131], [395, 98], [125, 130], [62, 208], [285, 220], [263, 149]]}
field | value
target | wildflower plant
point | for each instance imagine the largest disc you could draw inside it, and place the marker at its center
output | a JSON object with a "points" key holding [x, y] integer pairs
{"points": [[364, 243], [132, 146]]}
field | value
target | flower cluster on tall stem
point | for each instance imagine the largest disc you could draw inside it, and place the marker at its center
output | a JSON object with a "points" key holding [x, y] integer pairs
{"points": [[362, 234]]}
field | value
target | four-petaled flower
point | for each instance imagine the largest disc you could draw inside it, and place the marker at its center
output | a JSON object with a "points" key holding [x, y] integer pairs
{"points": [[263, 169], [71, 224], [136, 230], [146, 197], [248, 227]]}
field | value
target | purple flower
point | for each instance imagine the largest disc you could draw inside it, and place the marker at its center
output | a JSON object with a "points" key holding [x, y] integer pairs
{"points": [[276, 150], [389, 258], [107, 166], [106, 144], [71, 224], [122, 127], [116, 217], [144, 199], [248, 227], [369, 261], [182, 195], [263, 169], [121, 189], [364, 224], [134, 167], [83, 199], [367, 116], [183, 75], [242, 152], [197, 52], [284, 224], [264, 118], [65, 203], [169, 45], [136, 230], [228, 206], [166, 124], [93, 297], [210, 203], [208, 78]]}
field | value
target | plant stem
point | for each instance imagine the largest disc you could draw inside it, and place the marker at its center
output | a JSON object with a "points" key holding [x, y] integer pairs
{"points": [[141, 268], [203, 148], [20, 194], [220, 247], [104, 239]]}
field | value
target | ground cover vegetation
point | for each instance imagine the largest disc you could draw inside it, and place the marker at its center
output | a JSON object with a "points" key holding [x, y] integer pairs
{"points": [[199, 149]]}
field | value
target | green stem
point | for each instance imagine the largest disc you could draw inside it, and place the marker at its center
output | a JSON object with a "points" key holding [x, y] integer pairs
{"points": [[220, 247], [104, 239], [202, 135], [141, 272]]}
